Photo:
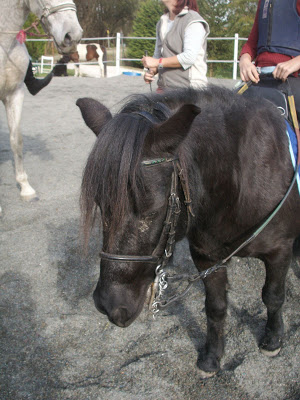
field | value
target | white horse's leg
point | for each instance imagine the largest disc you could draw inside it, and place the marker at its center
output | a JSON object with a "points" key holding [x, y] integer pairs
{"points": [[13, 106], [79, 71], [101, 65], [76, 69]]}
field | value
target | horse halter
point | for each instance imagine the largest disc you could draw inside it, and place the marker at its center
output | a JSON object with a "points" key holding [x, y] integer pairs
{"points": [[46, 10]]}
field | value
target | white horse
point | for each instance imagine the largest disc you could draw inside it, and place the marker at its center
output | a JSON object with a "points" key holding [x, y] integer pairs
{"points": [[88, 52], [59, 20]]}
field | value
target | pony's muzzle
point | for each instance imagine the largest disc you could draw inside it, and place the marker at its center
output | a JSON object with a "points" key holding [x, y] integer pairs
{"points": [[120, 317]]}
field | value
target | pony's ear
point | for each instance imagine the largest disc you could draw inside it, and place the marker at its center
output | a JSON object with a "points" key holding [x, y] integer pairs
{"points": [[167, 136], [95, 114]]}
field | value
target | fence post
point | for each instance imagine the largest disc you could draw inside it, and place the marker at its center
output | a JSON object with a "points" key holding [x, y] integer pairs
{"points": [[235, 56], [43, 63], [118, 49]]}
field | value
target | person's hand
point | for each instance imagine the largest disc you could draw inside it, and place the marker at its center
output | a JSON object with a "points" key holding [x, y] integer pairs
{"points": [[248, 70], [150, 62], [149, 75], [284, 69]]}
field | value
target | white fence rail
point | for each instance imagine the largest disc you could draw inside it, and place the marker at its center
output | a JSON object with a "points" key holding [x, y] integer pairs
{"points": [[119, 39]]}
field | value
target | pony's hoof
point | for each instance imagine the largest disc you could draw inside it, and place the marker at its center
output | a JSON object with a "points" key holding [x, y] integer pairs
{"points": [[27, 192], [271, 345], [270, 353], [206, 375], [30, 197], [208, 366]]}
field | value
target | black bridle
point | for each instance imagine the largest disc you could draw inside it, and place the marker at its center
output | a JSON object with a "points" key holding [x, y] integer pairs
{"points": [[167, 238]]}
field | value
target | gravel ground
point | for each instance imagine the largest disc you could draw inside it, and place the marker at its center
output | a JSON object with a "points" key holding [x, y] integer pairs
{"points": [[54, 344]]}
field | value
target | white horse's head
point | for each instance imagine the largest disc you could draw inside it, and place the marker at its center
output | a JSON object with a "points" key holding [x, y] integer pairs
{"points": [[59, 20]]}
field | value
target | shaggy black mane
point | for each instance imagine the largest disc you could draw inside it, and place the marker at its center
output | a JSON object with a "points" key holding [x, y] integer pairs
{"points": [[113, 170]]}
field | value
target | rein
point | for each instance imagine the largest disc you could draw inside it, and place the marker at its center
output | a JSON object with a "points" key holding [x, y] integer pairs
{"points": [[162, 278], [25, 31]]}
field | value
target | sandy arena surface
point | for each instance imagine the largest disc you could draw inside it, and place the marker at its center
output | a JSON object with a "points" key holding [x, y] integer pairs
{"points": [[54, 344]]}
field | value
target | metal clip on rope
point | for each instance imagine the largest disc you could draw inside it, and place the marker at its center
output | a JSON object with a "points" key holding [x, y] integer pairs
{"points": [[162, 285]]}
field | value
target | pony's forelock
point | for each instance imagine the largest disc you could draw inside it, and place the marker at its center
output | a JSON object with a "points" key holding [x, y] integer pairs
{"points": [[112, 164]]}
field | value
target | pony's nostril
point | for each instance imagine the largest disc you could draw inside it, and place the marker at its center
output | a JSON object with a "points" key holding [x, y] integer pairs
{"points": [[120, 316]]}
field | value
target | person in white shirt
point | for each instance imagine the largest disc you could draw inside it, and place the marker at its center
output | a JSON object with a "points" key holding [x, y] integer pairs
{"points": [[180, 51]]}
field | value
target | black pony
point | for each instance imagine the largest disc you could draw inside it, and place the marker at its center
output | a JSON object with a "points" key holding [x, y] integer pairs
{"points": [[60, 69], [233, 159]]}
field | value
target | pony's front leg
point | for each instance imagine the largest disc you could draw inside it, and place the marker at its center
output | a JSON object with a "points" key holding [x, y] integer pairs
{"points": [[101, 66], [216, 309], [76, 69], [273, 295], [13, 106]]}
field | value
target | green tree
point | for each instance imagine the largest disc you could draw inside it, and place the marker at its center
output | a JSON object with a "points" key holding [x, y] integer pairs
{"points": [[98, 16], [145, 26], [225, 18], [241, 14], [241, 17], [35, 49], [215, 12]]}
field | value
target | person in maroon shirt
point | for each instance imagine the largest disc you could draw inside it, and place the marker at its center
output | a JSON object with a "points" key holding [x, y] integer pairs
{"points": [[285, 64], [274, 41]]}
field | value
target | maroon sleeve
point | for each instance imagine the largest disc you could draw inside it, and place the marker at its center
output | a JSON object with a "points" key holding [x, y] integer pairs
{"points": [[251, 45]]}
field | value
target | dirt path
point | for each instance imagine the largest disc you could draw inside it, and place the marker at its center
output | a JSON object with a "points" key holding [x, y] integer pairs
{"points": [[54, 344]]}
